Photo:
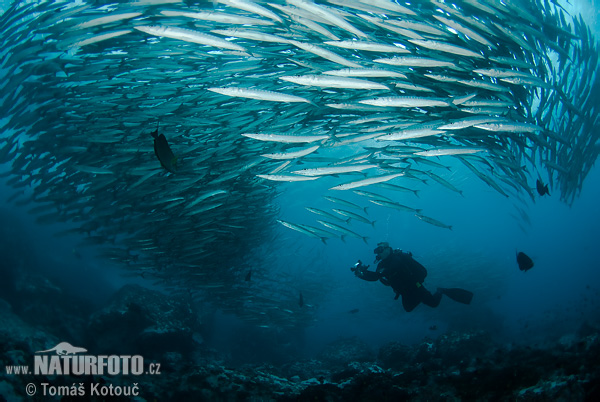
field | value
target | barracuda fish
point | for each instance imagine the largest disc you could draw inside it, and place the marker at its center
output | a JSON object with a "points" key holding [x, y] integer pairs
{"points": [[529, 81], [333, 170], [366, 182], [469, 122], [252, 35], [365, 72], [413, 87], [259, 94], [371, 195], [352, 215], [448, 151], [395, 187], [367, 46], [444, 182], [345, 203], [406, 101], [500, 72], [328, 16], [289, 178], [511, 127], [188, 35], [332, 82], [106, 20], [390, 27], [343, 230], [292, 155], [252, 8], [433, 222], [395, 205], [310, 24], [414, 61], [92, 169], [108, 70], [326, 214], [302, 229], [100, 38], [487, 180], [218, 17], [413, 131], [466, 31], [446, 48], [390, 6], [324, 53], [286, 139]]}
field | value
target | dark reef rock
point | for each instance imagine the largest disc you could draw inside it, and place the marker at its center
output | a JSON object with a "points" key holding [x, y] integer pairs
{"points": [[395, 355], [346, 350], [467, 366], [142, 321]]}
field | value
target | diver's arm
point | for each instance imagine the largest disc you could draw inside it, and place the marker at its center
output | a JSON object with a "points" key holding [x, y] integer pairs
{"points": [[366, 275], [362, 271]]}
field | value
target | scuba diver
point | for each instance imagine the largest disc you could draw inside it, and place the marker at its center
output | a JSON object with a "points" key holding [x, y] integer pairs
{"points": [[405, 275]]}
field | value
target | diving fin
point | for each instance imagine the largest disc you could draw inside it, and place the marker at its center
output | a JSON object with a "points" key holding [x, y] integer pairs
{"points": [[457, 294]]}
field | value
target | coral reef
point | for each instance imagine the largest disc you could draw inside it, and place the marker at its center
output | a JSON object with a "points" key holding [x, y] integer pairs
{"points": [[454, 366]]}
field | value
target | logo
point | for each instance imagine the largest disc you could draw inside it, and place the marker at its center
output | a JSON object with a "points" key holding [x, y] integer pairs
{"points": [[69, 359], [64, 348]]}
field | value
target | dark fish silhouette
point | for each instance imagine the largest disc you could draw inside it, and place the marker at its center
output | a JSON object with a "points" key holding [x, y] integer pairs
{"points": [[542, 188], [433, 327], [525, 263], [354, 311], [249, 276], [163, 152], [301, 300]]}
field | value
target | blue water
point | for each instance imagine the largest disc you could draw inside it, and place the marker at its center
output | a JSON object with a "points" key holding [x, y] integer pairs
{"points": [[550, 301]]}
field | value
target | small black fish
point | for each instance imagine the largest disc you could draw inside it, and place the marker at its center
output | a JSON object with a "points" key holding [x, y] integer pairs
{"points": [[249, 276], [542, 188], [525, 263], [354, 311], [433, 328], [301, 300], [163, 151]]}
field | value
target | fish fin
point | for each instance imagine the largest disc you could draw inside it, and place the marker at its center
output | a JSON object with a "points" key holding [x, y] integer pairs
{"points": [[416, 193], [365, 209], [373, 223], [450, 227], [458, 295], [324, 240], [343, 237], [366, 240], [418, 210]]}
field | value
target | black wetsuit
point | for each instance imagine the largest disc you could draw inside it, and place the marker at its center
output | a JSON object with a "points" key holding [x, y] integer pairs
{"points": [[405, 275]]}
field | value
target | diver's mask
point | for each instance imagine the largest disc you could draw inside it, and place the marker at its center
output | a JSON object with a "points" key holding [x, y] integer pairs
{"points": [[381, 247]]}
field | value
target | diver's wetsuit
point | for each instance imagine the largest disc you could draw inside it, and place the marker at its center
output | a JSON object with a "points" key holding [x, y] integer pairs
{"points": [[405, 275]]}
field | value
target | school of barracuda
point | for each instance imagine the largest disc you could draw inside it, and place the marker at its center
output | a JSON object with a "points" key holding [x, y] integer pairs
{"points": [[249, 94]]}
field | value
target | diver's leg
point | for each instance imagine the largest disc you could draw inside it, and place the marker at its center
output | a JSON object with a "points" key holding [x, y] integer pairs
{"points": [[410, 301], [431, 300]]}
